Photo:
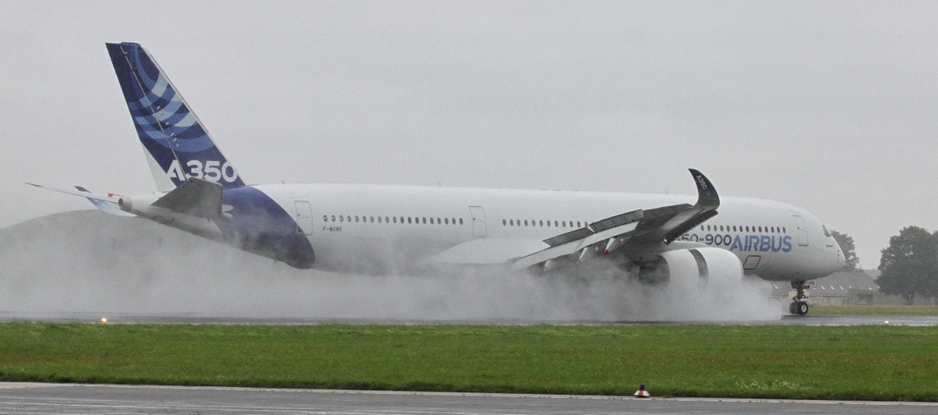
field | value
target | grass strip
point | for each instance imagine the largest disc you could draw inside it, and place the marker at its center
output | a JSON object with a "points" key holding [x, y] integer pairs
{"points": [[771, 361], [875, 310]]}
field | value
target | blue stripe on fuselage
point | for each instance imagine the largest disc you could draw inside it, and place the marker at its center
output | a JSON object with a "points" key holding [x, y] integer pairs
{"points": [[259, 225]]}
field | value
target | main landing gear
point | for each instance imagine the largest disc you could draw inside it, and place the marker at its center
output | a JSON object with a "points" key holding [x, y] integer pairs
{"points": [[800, 304]]}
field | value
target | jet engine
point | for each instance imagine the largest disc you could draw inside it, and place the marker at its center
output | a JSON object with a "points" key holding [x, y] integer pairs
{"points": [[699, 266]]}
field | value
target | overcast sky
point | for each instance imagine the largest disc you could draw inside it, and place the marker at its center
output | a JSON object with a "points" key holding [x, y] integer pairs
{"points": [[831, 106]]}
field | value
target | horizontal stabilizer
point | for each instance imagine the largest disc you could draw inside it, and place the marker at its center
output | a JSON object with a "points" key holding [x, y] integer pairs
{"points": [[86, 194], [194, 197], [106, 203]]}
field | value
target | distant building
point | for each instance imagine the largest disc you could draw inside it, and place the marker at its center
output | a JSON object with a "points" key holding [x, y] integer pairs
{"points": [[840, 288], [847, 288]]}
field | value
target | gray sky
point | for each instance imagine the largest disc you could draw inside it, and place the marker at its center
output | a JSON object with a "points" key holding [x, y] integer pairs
{"points": [[830, 106]]}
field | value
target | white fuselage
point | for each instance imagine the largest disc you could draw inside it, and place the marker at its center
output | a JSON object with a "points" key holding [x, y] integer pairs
{"points": [[372, 228]]}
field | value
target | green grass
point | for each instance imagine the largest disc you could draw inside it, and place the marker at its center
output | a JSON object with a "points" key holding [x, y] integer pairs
{"points": [[771, 361], [876, 310]]}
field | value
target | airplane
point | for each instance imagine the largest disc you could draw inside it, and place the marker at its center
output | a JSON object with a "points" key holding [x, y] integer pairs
{"points": [[379, 229]]}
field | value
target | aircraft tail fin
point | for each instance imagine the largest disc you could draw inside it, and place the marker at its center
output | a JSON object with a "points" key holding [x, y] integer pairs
{"points": [[176, 143]]}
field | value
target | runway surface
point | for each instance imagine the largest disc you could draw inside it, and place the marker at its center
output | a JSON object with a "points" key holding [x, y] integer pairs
{"points": [[37, 398], [177, 318]]}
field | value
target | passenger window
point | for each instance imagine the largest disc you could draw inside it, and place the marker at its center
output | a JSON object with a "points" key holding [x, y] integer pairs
{"points": [[525, 222], [564, 224], [438, 222], [556, 224], [541, 223], [356, 218], [424, 221], [325, 218], [460, 221], [341, 218]]}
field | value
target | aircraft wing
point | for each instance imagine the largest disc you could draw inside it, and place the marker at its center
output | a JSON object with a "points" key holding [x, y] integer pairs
{"points": [[612, 229], [639, 228]]}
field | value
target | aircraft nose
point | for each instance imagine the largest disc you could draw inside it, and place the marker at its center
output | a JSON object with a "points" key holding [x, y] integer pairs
{"points": [[841, 259]]}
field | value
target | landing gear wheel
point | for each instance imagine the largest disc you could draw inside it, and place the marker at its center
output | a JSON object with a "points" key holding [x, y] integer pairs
{"points": [[800, 305], [802, 308]]}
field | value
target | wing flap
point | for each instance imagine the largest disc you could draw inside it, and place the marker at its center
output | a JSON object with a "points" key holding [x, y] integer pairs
{"points": [[571, 247]]}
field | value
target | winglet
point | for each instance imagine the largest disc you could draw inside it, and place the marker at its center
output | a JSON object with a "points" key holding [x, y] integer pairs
{"points": [[706, 194]]}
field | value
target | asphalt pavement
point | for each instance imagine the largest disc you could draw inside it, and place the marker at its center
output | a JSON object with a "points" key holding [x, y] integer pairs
{"points": [[37, 398]]}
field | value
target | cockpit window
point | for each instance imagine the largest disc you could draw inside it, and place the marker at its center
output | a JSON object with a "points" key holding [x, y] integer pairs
{"points": [[827, 233]]}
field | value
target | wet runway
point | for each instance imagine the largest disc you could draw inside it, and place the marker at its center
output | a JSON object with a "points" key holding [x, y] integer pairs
{"points": [[194, 318], [35, 398]]}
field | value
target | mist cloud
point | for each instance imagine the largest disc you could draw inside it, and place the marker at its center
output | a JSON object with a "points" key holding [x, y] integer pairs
{"points": [[89, 263]]}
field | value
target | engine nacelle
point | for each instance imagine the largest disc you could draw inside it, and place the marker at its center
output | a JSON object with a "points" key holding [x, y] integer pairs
{"points": [[699, 265]]}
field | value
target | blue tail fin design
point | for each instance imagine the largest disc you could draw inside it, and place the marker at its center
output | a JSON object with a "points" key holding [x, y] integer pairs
{"points": [[176, 143]]}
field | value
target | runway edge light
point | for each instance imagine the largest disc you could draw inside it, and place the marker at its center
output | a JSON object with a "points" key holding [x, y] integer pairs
{"points": [[641, 392]]}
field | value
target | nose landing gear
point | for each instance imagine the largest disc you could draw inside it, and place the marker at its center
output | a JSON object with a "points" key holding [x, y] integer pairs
{"points": [[800, 304]]}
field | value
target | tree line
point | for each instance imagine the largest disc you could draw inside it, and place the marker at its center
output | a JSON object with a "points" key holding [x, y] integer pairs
{"points": [[908, 266]]}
